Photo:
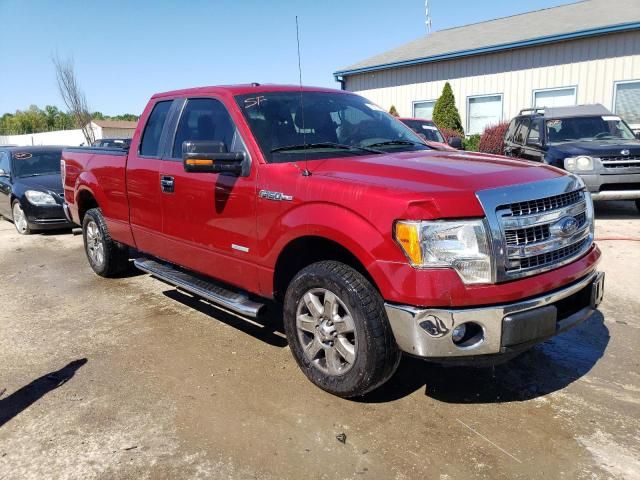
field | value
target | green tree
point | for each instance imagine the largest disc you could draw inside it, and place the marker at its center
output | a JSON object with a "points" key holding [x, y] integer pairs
{"points": [[393, 111], [445, 113]]}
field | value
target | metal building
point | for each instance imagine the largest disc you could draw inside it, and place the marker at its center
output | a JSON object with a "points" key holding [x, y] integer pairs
{"points": [[585, 52]]}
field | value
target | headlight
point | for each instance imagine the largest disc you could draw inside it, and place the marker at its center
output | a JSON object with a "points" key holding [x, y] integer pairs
{"points": [[582, 163], [458, 244], [39, 198]]}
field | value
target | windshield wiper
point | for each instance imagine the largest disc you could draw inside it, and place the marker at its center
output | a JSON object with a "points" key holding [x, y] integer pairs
{"points": [[394, 142], [310, 146]]}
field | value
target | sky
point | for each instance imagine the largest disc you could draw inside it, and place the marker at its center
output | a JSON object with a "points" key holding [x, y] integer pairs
{"points": [[124, 51]]}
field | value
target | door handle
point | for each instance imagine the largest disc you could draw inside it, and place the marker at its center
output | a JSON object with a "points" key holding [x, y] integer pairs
{"points": [[166, 183]]}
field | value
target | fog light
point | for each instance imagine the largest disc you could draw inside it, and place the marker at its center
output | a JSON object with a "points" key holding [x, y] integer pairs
{"points": [[458, 333]]}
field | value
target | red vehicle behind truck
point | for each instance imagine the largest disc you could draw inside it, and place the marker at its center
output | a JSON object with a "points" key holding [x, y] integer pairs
{"points": [[374, 243]]}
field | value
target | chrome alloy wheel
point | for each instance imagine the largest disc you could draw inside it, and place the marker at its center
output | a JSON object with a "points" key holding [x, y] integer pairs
{"points": [[326, 331], [95, 245], [20, 219]]}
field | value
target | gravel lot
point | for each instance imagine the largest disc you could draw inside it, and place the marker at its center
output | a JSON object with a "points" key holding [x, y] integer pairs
{"points": [[128, 378]]}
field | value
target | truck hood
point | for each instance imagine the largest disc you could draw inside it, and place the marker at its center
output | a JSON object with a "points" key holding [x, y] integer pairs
{"points": [[597, 148], [434, 171]]}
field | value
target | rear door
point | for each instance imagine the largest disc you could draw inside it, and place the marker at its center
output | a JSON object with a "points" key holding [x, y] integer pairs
{"points": [[143, 178], [5, 184], [209, 219]]}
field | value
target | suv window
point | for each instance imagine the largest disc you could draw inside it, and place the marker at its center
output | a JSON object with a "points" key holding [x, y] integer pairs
{"points": [[521, 131], [534, 132], [153, 129], [511, 130], [206, 119]]}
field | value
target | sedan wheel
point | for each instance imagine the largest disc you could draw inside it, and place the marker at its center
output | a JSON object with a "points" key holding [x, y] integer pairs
{"points": [[20, 219]]}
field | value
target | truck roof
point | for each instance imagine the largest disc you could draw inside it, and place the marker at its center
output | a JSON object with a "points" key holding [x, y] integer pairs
{"points": [[245, 89]]}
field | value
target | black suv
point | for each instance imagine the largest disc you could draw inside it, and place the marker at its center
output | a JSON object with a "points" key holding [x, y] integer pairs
{"points": [[587, 140]]}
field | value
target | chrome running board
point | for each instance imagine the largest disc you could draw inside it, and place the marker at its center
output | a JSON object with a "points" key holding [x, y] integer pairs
{"points": [[237, 302]]}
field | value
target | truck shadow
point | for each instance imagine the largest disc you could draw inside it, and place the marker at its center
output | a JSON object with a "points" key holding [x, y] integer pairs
{"points": [[544, 369], [616, 210], [26, 396], [266, 328]]}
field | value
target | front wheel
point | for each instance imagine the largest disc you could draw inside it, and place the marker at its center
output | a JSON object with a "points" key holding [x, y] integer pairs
{"points": [[20, 219], [106, 257], [338, 330]]}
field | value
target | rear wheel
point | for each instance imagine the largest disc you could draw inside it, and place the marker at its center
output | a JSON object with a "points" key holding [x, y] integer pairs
{"points": [[106, 257], [338, 330], [20, 219]]}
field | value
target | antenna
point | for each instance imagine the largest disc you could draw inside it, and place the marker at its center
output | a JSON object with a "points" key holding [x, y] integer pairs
{"points": [[428, 16], [306, 171]]}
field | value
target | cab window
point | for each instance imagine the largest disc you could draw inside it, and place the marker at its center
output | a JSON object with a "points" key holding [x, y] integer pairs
{"points": [[206, 119], [4, 161], [150, 145]]}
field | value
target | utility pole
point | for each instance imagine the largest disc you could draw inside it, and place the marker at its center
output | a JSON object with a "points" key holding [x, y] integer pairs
{"points": [[428, 16]]}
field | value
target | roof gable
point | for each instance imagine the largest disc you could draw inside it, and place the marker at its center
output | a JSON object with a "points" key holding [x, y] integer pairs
{"points": [[582, 19]]}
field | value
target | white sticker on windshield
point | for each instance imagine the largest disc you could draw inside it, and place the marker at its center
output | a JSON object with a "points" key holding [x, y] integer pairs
{"points": [[611, 118], [374, 107], [429, 127]]}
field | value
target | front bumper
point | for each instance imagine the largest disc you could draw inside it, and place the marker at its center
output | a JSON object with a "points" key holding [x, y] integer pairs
{"points": [[613, 186], [49, 217], [505, 328]]}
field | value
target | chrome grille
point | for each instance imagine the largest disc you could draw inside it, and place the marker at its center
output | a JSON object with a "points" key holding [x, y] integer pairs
{"points": [[538, 226], [551, 257], [614, 163], [544, 204]]}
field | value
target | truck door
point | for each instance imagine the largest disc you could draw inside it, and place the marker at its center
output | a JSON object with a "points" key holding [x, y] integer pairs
{"points": [[209, 219], [143, 179]]}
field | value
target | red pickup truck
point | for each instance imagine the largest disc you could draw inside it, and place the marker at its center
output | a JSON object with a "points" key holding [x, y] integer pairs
{"points": [[374, 243]]}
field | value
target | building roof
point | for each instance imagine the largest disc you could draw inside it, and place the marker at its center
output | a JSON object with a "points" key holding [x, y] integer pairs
{"points": [[576, 20], [115, 124]]}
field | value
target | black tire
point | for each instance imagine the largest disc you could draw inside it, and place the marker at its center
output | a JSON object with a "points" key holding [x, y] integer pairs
{"points": [[638, 205], [376, 354], [115, 256]]}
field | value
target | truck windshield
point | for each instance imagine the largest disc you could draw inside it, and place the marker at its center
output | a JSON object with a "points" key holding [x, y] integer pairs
{"points": [[587, 129], [314, 125], [32, 164]]}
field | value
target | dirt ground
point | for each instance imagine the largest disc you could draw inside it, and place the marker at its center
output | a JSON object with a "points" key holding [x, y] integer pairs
{"points": [[128, 378]]}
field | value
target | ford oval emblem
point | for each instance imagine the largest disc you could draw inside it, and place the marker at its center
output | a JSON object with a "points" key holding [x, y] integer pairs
{"points": [[565, 226], [625, 152]]}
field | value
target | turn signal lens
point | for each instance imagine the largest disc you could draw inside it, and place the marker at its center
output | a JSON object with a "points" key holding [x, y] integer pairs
{"points": [[407, 235]]}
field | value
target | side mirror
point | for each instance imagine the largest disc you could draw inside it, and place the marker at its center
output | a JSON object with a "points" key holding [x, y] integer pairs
{"points": [[211, 157], [638, 135], [3, 173], [455, 142]]}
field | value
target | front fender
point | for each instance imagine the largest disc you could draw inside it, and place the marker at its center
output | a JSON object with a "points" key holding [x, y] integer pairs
{"points": [[338, 224]]}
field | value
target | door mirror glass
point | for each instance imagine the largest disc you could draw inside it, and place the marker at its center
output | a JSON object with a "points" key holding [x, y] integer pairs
{"points": [[211, 156], [455, 142], [638, 135]]}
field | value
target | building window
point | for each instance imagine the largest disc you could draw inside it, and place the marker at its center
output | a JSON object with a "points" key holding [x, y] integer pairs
{"points": [[554, 97], [424, 109], [626, 101], [483, 111]]}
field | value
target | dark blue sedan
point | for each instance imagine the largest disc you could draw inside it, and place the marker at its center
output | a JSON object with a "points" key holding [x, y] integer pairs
{"points": [[31, 193]]}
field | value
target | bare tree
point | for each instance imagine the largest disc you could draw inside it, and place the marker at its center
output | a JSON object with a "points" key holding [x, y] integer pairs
{"points": [[73, 96]]}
